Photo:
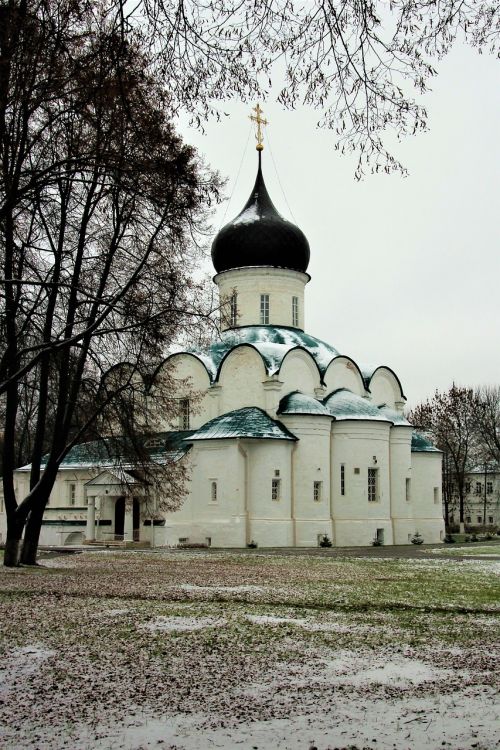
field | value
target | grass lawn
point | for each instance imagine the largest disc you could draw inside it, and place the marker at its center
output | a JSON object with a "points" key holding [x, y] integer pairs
{"points": [[192, 650]]}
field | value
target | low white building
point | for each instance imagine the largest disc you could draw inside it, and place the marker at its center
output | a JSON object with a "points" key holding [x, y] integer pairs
{"points": [[482, 493], [290, 440]]}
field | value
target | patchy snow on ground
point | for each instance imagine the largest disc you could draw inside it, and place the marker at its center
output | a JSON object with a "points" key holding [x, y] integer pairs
{"points": [[182, 623], [20, 663]]}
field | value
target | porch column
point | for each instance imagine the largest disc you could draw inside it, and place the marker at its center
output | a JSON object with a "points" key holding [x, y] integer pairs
{"points": [[128, 524], [90, 532]]}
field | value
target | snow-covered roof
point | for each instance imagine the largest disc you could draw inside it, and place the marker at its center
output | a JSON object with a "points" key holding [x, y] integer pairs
{"points": [[421, 444], [344, 404], [249, 422], [272, 343], [396, 417], [299, 403]]}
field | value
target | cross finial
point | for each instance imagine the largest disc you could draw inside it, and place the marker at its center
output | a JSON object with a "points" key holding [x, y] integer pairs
{"points": [[260, 121]]}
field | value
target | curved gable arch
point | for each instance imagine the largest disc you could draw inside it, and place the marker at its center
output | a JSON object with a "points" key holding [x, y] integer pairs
{"points": [[385, 387], [188, 355], [241, 374], [343, 372], [187, 379], [299, 371]]}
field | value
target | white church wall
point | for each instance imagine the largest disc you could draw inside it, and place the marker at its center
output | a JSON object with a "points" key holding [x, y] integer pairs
{"points": [[426, 487], [241, 378], [270, 521], [280, 284], [190, 381], [298, 372], [311, 464], [385, 389], [359, 446], [402, 490], [341, 373], [207, 516]]}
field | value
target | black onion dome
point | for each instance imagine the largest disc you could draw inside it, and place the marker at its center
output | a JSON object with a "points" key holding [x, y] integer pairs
{"points": [[259, 236]]}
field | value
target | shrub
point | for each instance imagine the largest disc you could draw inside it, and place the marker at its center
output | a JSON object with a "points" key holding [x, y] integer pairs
{"points": [[449, 539], [377, 542], [417, 538], [325, 541], [252, 545]]}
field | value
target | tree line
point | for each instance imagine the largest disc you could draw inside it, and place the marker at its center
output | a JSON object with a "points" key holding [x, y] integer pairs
{"points": [[465, 424]]}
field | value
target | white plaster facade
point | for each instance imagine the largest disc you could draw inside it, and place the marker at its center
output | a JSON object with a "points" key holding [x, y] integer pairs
{"points": [[289, 441]]}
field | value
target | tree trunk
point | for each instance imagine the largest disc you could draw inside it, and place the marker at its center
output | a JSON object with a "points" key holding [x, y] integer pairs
{"points": [[13, 545], [32, 535]]}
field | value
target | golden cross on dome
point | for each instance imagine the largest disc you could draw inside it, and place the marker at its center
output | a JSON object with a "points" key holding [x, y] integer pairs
{"points": [[260, 121]]}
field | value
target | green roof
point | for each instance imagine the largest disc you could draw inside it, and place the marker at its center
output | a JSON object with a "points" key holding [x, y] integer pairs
{"points": [[108, 452], [298, 403], [421, 444], [250, 422], [344, 404]]}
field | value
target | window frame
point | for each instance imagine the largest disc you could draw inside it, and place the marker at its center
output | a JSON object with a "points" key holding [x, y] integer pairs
{"points": [[342, 479], [233, 310], [317, 490], [295, 312], [185, 414], [275, 489], [264, 309], [372, 484]]}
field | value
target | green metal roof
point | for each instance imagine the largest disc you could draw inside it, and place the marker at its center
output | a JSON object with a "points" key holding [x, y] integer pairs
{"points": [[344, 404], [421, 444], [108, 452], [299, 403], [249, 422], [396, 417]]}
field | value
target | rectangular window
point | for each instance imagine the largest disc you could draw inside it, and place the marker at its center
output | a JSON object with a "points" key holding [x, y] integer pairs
{"points": [[372, 485], [467, 488], [479, 488], [467, 519], [436, 495], [72, 494], [342, 479], [317, 491], [479, 519], [490, 519], [489, 488], [276, 489], [233, 310], [295, 311], [264, 309], [184, 414], [213, 491], [408, 490]]}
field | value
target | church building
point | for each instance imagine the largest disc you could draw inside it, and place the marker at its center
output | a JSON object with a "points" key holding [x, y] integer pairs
{"points": [[289, 441]]}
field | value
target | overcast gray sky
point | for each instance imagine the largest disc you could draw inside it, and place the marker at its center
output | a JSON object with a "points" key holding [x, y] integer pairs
{"points": [[405, 271]]}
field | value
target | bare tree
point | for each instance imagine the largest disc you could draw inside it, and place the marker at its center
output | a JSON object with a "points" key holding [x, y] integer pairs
{"points": [[100, 203], [487, 413], [450, 419]]}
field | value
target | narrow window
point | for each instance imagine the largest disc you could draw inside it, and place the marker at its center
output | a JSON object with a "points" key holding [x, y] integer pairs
{"points": [[295, 311], [467, 488], [184, 414], [317, 491], [467, 519], [72, 494], [208, 541], [276, 489], [408, 490], [436, 495], [479, 519], [342, 479], [479, 488], [233, 310], [213, 492], [372, 485], [356, 470], [490, 519], [489, 487], [380, 536], [264, 309]]}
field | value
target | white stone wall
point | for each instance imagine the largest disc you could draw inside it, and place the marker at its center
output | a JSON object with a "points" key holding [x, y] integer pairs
{"points": [[384, 388], [402, 503], [428, 514], [311, 463], [201, 518], [359, 445], [342, 373], [280, 284], [189, 379], [299, 372], [241, 377]]}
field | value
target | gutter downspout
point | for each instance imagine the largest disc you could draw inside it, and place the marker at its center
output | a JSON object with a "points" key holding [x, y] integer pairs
{"points": [[244, 453]]}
